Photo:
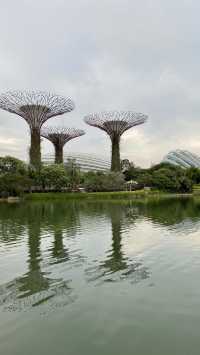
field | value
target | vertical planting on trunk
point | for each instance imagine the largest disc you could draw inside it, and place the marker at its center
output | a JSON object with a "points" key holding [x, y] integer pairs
{"points": [[115, 159], [35, 153]]}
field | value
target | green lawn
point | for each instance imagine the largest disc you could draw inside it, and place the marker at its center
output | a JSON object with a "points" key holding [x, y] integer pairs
{"points": [[86, 195], [123, 195]]}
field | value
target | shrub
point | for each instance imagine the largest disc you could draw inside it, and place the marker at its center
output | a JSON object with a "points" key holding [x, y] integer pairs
{"points": [[12, 165], [98, 181], [52, 177], [14, 179], [165, 177]]}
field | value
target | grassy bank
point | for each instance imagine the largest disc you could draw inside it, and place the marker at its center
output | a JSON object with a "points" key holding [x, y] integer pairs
{"points": [[120, 195], [84, 195]]}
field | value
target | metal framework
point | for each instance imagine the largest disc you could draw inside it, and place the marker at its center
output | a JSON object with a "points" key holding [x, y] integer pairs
{"points": [[36, 107], [182, 158], [115, 123], [59, 136]]}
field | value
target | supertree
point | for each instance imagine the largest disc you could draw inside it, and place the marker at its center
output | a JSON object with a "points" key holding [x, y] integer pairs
{"points": [[59, 136], [36, 107], [115, 123]]}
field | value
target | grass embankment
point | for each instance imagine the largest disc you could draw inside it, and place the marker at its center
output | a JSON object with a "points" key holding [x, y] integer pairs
{"points": [[119, 195], [86, 195]]}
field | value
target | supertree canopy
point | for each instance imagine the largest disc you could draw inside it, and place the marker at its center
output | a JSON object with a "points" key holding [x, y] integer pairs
{"points": [[59, 136], [36, 107], [115, 123]]}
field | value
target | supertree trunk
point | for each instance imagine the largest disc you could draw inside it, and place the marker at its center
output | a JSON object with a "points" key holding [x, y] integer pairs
{"points": [[35, 153], [115, 163], [58, 154]]}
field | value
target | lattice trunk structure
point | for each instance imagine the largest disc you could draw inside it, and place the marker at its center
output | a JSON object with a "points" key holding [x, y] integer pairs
{"points": [[36, 107], [115, 123], [59, 136]]}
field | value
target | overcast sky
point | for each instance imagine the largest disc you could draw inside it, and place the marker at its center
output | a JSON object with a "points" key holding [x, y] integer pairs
{"points": [[106, 54]]}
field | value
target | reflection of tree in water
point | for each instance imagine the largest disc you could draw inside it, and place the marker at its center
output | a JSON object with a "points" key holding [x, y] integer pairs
{"points": [[11, 228], [64, 227], [36, 286], [180, 214], [61, 221], [117, 266], [59, 252]]}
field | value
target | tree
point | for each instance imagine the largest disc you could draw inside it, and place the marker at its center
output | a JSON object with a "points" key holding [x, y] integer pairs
{"points": [[9, 164], [98, 181], [171, 180], [194, 175], [14, 179], [53, 177], [73, 173], [164, 177], [14, 184]]}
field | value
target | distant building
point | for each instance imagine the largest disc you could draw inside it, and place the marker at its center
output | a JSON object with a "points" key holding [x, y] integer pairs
{"points": [[182, 158], [86, 162]]}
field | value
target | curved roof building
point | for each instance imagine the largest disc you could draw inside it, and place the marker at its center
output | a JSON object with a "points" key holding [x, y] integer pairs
{"points": [[86, 162], [182, 158]]}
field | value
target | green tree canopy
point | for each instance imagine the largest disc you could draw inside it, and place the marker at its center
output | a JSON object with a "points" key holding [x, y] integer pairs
{"points": [[9, 164], [53, 176]]}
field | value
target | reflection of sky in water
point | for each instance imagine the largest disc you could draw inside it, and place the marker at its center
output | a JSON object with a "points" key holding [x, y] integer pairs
{"points": [[98, 278], [50, 253]]}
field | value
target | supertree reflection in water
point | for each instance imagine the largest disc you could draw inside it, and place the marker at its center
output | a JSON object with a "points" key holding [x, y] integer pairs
{"points": [[178, 215], [37, 287], [117, 266], [59, 252], [64, 229]]}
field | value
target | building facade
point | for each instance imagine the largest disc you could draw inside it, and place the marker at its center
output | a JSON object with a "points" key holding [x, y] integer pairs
{"points": [[85, 162], [182, 158]]}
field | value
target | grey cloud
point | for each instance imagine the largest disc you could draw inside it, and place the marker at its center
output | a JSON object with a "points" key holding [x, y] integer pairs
{"points": [[107, 54]]}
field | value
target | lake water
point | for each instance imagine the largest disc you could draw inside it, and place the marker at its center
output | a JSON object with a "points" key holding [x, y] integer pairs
{"points": [[88, 278]]}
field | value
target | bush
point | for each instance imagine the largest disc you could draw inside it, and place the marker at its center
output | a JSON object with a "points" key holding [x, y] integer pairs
{"points": [[12, 184], [52, 177], [194, 175], [14, 179], [98, 181], [165, 177], [12, 165], [73, 173]]}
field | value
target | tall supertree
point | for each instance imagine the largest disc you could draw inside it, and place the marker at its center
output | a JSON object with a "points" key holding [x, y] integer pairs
{"points": [[59, 136], [36, 107], [115, 123]]}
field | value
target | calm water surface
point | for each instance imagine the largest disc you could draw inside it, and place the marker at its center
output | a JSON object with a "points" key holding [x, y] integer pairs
{"points": [[81, 278]]}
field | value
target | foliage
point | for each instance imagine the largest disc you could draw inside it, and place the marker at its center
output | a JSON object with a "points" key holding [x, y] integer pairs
{"points": [[73, 173], [98, 181], [171, 180], [194, 175], [9, 164], [12, 184], [165, 177], [14, 179], [52, 177]]}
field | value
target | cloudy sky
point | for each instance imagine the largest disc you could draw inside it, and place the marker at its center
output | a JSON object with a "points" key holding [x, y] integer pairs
{"points": [[106, 54]]}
